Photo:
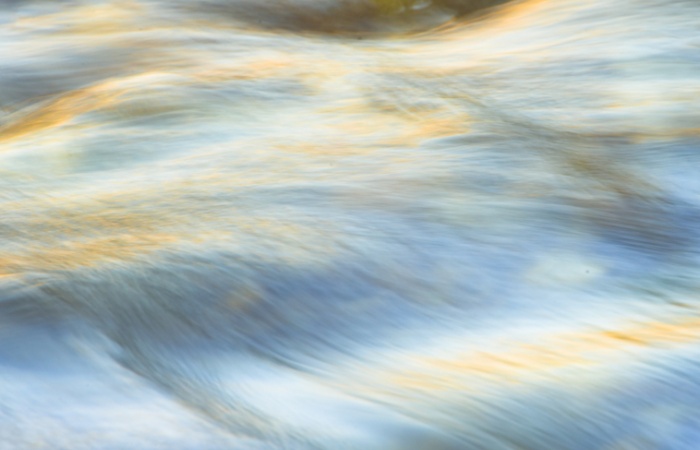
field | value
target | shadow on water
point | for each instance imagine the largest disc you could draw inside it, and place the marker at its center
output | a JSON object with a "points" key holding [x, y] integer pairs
{"points": [[360, 18]]}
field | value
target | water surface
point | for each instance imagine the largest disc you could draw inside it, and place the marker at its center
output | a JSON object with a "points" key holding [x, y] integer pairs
{"points": [[349, 224]]}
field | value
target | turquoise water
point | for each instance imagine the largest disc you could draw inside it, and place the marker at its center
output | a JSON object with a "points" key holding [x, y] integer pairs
{"points": [[347, 224]]}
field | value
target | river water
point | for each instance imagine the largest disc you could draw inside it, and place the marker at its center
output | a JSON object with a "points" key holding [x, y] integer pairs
{"points": [[349, 224]]}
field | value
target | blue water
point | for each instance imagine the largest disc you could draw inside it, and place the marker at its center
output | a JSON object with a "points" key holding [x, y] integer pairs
{"points": [[349, 224]]}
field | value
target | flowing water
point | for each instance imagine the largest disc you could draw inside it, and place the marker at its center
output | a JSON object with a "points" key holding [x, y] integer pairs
{"points": [[349, 224]]}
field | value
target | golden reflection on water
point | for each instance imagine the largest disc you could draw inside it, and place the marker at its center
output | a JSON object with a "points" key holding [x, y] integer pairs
{"points": [[523, 362]]}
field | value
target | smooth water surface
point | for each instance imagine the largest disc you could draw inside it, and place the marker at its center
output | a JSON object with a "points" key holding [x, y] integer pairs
{"points": [[349, 224]]}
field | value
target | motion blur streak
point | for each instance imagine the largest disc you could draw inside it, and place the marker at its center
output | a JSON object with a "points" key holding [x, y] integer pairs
{"points": [[350, 224]]}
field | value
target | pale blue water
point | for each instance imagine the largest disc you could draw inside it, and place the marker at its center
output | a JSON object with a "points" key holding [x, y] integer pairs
{"points": [[337, 224]]}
